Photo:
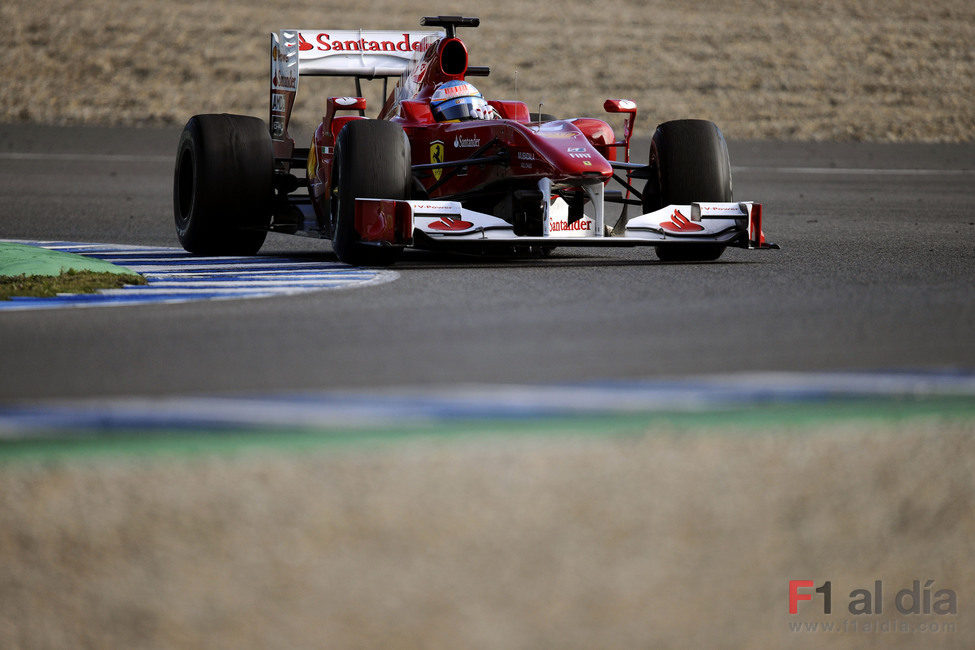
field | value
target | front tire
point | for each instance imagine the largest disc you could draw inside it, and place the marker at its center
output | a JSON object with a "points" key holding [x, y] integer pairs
{"points": [[372, 160], [690, 158], [222, 185]]}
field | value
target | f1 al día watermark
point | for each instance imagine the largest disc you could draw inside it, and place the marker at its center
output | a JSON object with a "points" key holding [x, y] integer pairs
{"points": [[878, 609]]}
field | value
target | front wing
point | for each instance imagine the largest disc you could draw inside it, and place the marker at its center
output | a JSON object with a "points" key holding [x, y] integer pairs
{"points": [[447, 224]]}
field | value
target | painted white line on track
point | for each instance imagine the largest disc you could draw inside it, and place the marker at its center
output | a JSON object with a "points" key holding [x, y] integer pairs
{"points": [[174, 275], [853, 171], [84, 157]]}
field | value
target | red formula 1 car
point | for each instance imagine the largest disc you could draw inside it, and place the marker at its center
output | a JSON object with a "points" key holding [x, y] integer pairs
{"points": [[441, 167]]}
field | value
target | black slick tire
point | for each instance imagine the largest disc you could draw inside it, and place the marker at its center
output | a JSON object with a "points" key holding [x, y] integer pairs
{"points": [[691, 164], [222, 186], [372, 160]]}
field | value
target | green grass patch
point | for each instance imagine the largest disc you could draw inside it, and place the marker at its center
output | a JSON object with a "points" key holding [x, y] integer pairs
{"points": [[71, 281]]}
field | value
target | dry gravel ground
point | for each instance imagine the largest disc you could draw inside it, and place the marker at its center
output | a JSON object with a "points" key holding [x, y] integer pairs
{"points": [[669, 539], [878, 70]]}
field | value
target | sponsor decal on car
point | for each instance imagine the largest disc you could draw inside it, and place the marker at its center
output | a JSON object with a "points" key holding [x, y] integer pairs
{"points": [[461, 142], [436, 156], [558, 134], [733, 209], [419, 207], [451, 223], [562, 226], [277, 126], [558, 130], [284, 62], [350, 41], [580, 155], [680, 223], [277, 103], [284, 82]]}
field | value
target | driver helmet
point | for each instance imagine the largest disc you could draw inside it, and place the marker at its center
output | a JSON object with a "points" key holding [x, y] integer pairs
{"points": [[454, 101]]}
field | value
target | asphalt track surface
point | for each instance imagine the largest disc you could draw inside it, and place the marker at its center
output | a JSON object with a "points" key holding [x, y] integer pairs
{"points": [[875, 273]]}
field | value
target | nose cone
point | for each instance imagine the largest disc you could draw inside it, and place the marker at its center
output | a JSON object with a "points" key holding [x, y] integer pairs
{"points": [[568, 150]]}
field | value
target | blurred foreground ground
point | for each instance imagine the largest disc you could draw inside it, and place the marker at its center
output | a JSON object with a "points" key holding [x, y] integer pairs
{"points": [[834, 70], [670, 538]]}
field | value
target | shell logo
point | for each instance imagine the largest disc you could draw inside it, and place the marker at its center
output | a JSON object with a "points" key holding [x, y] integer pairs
{"points": [[451, 223], [680, 223]]}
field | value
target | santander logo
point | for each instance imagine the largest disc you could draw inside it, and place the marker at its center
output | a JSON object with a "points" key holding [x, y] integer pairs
{"points": [[680, 223], [466, 142], [451, 223], [342, 41]]}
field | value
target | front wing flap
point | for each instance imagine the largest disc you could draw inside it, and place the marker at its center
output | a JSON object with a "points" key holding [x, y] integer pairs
{"points": [[449, 224]]}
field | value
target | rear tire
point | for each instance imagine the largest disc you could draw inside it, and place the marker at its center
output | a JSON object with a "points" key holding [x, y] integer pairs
{"points": [[372, 160], [691, 163], [223, 184]]}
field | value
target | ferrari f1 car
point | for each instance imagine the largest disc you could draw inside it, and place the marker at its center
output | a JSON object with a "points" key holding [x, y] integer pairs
{"points": [[442, 168]]}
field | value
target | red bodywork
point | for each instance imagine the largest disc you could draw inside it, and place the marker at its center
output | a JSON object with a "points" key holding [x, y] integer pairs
{"points": [[518, 152]]}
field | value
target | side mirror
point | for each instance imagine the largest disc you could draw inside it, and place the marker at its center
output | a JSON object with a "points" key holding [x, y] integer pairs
{"points": [[627, 107]]}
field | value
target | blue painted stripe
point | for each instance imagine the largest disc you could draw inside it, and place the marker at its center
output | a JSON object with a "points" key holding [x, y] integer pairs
{"points": [[174, 275], [230, 262], [399, 407], [226, 278], [97, 300]]}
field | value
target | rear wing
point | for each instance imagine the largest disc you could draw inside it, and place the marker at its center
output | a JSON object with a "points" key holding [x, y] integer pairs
{"points": [[362, 54]]}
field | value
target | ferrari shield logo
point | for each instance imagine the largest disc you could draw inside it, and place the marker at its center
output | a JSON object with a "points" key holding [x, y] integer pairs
{"points": [[436, 156]]}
